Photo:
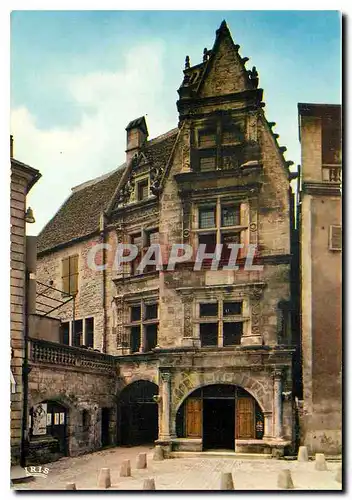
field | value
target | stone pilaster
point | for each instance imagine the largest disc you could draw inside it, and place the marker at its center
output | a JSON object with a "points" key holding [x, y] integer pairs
{"points": [[277, 377]]}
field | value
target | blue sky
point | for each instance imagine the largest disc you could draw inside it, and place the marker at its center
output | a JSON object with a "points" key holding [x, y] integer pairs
{"points": [[78, 78]]}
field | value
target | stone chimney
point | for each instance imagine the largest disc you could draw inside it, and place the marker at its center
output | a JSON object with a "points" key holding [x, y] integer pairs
{"points": [[137, 135]]}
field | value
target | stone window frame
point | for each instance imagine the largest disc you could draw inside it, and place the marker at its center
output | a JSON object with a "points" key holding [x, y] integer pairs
{"points": [[140, 179], [142, 323], [221, 201], [143, 234], [217, 127], [243, 318]]}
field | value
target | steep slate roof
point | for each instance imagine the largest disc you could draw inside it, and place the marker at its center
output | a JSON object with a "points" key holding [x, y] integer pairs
{"points": [[79, 215]]}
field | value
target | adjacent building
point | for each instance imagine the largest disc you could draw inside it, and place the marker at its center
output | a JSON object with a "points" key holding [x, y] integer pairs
{"points": [[23, 178], [320, 223], [190, 359]]}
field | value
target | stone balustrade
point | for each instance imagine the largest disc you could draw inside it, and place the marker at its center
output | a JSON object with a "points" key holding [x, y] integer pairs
{"points": [[43, 351]]}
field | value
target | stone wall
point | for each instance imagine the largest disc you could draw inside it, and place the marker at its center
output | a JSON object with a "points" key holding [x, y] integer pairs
{"points": [[17, 274], [77, 389], [89, 299]]}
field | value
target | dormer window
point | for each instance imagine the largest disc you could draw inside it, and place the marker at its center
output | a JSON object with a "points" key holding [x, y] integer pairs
{"points": [[217, 145], [142, 190]]}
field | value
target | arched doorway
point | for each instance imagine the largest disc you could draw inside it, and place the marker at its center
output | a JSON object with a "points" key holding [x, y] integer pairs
{"points": [[138, 413], [48, 429], [219, 414]]}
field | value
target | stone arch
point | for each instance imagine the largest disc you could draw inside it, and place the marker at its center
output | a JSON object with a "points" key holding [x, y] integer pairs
{"points": [[189, 383], [136, 377]]}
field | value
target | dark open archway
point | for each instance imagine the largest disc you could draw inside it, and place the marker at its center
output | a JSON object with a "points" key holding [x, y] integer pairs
{"points": [[138, 413], [48, 430], [219, 414]]}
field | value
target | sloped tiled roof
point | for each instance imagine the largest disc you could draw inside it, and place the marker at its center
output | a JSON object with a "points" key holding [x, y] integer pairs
{"points": [[80, 214]]}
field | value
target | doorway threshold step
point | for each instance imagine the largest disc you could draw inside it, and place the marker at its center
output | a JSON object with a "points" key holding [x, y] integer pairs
{"points": [[220, 454]]}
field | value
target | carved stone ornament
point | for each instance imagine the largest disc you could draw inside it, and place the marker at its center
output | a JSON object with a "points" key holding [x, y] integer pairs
{"points": [[165, 376]]}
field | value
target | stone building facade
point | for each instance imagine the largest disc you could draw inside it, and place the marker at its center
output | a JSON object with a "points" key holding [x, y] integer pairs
{"points": [[23, 178], [203, 357], [320, 220]]}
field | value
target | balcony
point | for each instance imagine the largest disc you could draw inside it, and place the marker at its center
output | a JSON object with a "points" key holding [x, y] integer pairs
{"points": [[332, 173], [52, 353]]}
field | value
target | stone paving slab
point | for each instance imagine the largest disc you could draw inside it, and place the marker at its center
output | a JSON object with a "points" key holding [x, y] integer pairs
{"points": [[181, 473]]}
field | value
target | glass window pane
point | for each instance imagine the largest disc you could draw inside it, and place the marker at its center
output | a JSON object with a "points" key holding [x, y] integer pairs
{"points": [[231, 308], [151, 337], [209, 309], [206, 217], [89, 332], [135, 313], [232, 333], [207, 164], [207, 138], [208, 334], [230, 215], [151, 311], [135, 338]]}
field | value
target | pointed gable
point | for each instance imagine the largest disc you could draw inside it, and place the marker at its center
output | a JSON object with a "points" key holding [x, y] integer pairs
{"points": [[224, 72]]}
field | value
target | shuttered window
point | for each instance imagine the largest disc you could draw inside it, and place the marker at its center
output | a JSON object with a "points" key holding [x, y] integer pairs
{"points": [[335, 238], [70, 275]]}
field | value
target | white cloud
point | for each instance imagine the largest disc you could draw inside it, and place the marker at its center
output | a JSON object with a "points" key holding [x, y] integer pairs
{"points": [[108, 101]]}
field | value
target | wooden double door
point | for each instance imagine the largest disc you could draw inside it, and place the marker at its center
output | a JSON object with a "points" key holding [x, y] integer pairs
{"points": [[219, 421]]}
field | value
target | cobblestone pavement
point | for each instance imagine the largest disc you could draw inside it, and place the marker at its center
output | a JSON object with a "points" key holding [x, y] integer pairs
{"points": [[181, 473]]}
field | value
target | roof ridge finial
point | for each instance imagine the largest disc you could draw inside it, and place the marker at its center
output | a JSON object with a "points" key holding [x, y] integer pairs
{"points": [[187, 62], [223, 28]]}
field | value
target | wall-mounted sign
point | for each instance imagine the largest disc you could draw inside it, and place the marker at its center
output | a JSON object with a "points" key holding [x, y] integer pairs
{"points": [[39, 419]]}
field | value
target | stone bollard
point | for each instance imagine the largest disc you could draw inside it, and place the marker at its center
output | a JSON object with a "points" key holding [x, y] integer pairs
{"points": [[284, 480], [338, 476], [226, 482], [149, 484], [302, 454], [320, 463], [104, 480], [141, 461], [125, 470], [158, 453], [70, 486]]}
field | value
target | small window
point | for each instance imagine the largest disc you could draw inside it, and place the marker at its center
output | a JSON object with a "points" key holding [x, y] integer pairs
{"points": [[207, 217], [207, 164], [335, 238], [230, 215], [208, 309], [232, 333], [209, 240], [151, 332], [135, 338], [232, 308], [65, 333], [136, 239], [89, 342], [208, 333], [142, 190], [85, 420], [77, 333], [151, 311], [207, 138], [135, 313], [231, 135]]}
